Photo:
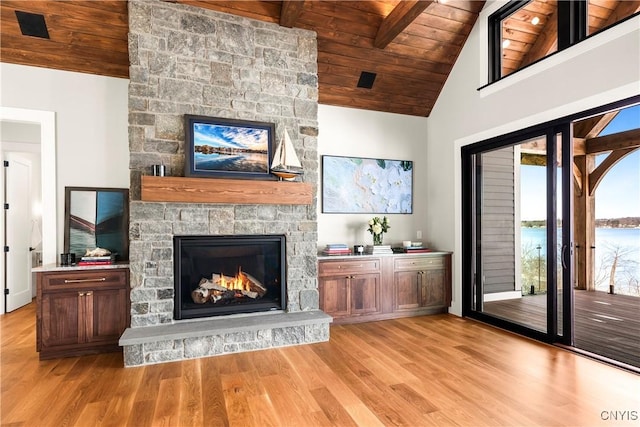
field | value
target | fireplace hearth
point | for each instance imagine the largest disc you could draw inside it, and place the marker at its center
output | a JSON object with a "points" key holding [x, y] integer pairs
{"points": [[222, 275]]}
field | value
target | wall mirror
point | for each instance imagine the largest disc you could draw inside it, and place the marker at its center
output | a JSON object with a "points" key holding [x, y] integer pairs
{"points": [[96, 218]]}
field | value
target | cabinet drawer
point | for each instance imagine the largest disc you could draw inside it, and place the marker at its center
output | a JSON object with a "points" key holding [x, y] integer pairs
{"points": [[328, 268], [61, 280], [419, 262]]}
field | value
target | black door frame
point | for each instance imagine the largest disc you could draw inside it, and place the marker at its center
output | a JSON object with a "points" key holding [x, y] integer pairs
{"points": [[471, 171], [472, 194]]}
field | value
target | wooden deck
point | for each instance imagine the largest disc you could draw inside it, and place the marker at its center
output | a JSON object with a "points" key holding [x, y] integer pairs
{"points": [[607, 325]]}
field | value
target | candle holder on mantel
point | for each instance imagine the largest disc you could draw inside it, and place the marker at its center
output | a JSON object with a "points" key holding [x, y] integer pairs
{"points": [[158, 170]]}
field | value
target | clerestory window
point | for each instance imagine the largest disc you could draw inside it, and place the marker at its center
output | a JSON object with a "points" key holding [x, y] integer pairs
{"points": [[525, 31]]}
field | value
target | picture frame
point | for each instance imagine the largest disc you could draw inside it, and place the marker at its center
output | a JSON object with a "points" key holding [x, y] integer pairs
{"points": [[96, 217], [366, 185], [228, 148]]}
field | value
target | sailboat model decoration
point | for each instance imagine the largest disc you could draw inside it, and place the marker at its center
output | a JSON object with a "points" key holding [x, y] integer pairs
{"points": [[286, 164]]}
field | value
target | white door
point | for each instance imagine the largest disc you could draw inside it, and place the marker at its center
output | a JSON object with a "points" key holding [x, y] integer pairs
{"points": [[17, 231]]}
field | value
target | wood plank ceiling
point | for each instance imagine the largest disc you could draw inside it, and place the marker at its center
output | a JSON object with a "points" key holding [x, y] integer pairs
{"points": [[531, 32], [411, 45], [85, 36]]}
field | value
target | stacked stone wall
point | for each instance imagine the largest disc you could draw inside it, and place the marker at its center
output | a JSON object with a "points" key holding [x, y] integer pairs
{"points": [[188, 60]]}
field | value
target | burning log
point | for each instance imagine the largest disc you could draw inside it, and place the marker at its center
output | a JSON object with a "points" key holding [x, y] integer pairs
{"points": [[222, 287], [209, 284], [200, 295]]}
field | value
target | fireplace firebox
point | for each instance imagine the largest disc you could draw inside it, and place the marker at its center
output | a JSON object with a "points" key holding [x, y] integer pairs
{"points": [[221, 275]]}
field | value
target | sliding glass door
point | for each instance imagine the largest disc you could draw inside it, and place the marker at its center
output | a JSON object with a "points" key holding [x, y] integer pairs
{"points": [[518, 248]]}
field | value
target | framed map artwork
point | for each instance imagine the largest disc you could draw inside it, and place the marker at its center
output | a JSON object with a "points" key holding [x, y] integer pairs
{"points": [[362, 185]]}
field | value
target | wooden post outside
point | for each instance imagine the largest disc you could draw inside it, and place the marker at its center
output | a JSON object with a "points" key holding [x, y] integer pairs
{"points": [[584, 226]]}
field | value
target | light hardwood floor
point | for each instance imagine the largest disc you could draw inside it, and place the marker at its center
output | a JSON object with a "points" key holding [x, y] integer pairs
{"points": [[436, 370]]}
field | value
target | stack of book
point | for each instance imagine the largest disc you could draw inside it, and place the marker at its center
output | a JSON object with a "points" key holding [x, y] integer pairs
{"points": [[415, 249], [97, 260], [336, 249], [378, 249]]}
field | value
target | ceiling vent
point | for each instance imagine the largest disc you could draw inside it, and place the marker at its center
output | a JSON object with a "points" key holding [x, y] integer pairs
{"points": [[366, 80], [32, 24]]}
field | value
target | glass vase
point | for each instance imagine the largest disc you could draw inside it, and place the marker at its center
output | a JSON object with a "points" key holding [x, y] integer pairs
{"points": [[377, 239]]}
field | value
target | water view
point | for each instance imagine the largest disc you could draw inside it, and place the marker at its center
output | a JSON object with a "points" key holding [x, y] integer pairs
{"points": [[242, 162], [621, 244]]}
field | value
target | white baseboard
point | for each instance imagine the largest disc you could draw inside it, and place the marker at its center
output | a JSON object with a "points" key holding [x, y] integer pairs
{"points": [[501, 296]]}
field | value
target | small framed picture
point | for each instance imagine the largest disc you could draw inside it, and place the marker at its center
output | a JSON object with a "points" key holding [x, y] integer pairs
{"points": [[228, 148], [96, 218]]}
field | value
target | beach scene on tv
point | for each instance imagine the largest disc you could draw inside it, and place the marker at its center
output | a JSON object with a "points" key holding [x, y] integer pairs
{"points": [[227, 148]]}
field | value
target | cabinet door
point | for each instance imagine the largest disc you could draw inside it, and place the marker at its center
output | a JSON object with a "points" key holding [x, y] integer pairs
{"points": [[61, 319], [365, 294], [106, 310], [434, 288], [334, 296], [408, 286]]}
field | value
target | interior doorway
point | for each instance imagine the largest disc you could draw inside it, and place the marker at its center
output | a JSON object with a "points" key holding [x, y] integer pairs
{"points": [[45, 122], [19, 223]]}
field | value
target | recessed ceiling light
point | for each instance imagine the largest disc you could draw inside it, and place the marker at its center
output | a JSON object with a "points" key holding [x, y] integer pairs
{"points": [[535, 20], [506, 43]]}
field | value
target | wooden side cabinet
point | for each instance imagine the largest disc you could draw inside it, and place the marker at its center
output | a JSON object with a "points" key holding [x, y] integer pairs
{"points": [[422, 282], [365, 288], [350, 288], [81, 310]]}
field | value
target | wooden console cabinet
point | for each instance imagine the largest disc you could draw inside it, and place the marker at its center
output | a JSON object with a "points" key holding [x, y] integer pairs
{"points": [[81, 310], [421, 282], [367, 288], [350, 289]]}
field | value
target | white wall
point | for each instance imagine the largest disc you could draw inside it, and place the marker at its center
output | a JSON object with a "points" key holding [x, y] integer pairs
{"points": [[600, 70], [91, 120], [361, 133]]}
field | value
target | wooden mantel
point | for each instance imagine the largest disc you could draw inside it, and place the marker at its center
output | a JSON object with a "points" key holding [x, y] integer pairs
{"points": [[228, 191]]}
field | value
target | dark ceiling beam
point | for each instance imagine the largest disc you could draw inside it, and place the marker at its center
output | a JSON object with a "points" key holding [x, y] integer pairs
{"points": [[290, 12], [399, 19]]}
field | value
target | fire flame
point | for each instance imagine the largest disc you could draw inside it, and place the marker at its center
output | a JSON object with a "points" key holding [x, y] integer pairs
{"points": [[238, 283]]}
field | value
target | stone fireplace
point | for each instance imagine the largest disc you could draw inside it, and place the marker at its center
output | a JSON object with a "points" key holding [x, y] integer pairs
{"points": [[189, 60]]}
